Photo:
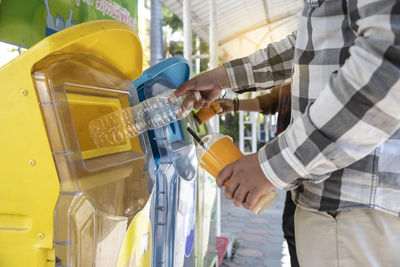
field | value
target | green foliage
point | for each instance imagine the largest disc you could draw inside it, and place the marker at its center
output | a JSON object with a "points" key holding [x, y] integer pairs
{"points": [[175, 48], [171, 20], [11, 50], [229, 125]]}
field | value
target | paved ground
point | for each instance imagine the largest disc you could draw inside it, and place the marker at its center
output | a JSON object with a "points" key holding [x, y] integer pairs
{"points": [[258, 238]]}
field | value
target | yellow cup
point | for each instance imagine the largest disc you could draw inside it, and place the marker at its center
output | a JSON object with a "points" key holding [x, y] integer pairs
{"points": [[221, 152]]}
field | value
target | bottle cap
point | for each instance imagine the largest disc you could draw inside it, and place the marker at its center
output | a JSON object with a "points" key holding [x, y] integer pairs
{"points": [[197, 95]]}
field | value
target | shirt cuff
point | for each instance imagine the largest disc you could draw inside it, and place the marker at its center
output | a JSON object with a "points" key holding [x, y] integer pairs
{"points": [[268, 172], [280, 165]]}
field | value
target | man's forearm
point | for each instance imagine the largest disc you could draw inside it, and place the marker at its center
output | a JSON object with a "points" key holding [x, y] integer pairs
{"points": [[249, 105]]}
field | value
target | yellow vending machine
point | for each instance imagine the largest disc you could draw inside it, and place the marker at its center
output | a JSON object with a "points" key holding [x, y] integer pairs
{"points": [[63, 200]]}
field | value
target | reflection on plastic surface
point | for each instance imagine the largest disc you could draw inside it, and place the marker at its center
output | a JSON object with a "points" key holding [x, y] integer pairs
{"points": [[95, 245], [185, 221], [137, 245], [205, 224], [184, 159]]}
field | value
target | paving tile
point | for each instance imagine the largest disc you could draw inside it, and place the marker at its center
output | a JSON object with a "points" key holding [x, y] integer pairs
{"points": [[263, 247], [275, 239], [230, 230], [253, 238], [273, 263], [235, 224], [248, 252], [259, 220], [260, 231], [230, 264], [246, 261]]}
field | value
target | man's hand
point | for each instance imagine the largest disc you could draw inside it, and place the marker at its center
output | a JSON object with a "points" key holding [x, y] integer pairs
{"points": [[247, 182], [226, 105], [209, 84]]}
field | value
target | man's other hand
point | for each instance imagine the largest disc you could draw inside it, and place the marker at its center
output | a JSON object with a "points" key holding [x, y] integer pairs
{"points": [[247, 182], [226, 105]]}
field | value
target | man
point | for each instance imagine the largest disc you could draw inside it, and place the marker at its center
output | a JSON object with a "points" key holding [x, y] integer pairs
{"points": [[276, 101], [341, 151]]}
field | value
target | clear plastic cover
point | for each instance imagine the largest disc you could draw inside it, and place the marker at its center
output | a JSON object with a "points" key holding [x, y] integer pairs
{"points": [[102, 189]]}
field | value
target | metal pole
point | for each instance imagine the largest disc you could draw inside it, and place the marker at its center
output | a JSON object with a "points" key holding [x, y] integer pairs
{"points": [[254, 121], [156, 34], [187, 31], [215, 121], [241, 131], [213, 35], [197, 60], [213, 52]]}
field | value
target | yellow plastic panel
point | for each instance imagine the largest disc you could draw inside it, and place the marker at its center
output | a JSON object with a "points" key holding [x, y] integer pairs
{"points": [[29, 182], [29, 185], [86, 108], [11, 222]]}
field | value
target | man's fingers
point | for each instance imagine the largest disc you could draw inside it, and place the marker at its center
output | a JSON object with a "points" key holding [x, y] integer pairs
{"points": [[239, 196], [220, 101], [230, 189], [252, 198], [224, 174], [201, 103], [206, 103], [187, 86], [186, 102]]}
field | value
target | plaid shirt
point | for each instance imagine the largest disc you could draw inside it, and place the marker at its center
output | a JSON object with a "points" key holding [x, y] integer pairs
{"points": [[342, 148]]}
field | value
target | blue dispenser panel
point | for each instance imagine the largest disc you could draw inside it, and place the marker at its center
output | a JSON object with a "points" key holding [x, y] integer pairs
{"points": [[175, 157]]}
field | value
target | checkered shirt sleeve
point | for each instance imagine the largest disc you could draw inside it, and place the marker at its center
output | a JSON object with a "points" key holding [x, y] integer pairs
{"points": [[263, 69]]}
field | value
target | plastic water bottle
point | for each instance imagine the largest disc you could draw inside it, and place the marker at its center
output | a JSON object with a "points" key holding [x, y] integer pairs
{"points": [[119, 126]]}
